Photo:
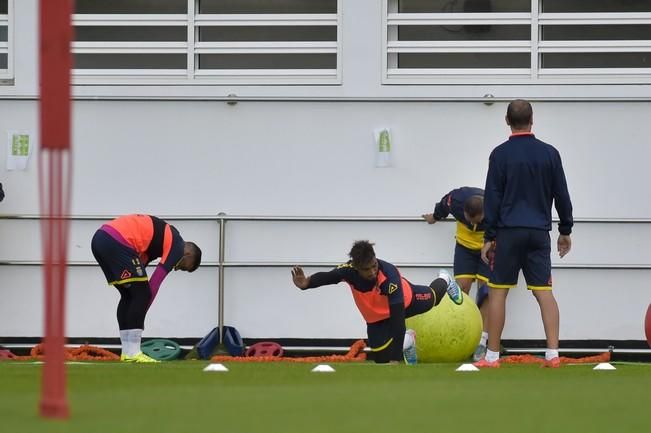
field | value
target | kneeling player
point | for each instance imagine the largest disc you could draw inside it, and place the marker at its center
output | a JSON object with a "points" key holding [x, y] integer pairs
{"points": [[384, 298]]}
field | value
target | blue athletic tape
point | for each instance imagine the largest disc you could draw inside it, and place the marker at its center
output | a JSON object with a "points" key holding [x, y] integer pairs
{"points": [[482, 294]]}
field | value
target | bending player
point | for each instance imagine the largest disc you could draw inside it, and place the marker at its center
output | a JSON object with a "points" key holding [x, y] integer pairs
{"points": [[123, 248], [384, 298], [466, 204]]}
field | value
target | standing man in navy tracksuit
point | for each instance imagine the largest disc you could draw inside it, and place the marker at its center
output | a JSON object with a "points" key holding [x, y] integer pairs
{"points": [[525, 175]]}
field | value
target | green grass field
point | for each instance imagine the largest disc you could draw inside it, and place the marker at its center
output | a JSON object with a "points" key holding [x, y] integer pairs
{"points": [[179, 397]]}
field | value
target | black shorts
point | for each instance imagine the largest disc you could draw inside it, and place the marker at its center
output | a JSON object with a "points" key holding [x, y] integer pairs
{"points": [[468, 264], [526, 249], [120, 264], [379, 333]]}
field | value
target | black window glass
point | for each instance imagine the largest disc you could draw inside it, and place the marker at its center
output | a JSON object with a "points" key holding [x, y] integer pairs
{"points": [[567, 6], [130, 61], [464, 60], [267, 33], [131, 33], [596, 32], [464, 33], [131, 6], [469, 6], [267, 61], [596, 60], [268, 7]]}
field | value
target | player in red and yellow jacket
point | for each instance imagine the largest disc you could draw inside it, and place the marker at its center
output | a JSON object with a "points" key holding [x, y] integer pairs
{"points": [[383, 297], [123, 248]]}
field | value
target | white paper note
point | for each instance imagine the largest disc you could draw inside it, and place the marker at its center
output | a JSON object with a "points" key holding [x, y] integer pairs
{"points": [[19, 149]]}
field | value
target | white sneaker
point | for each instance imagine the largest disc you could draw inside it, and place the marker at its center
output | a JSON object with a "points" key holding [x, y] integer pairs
{"points": [[480, 352], [453, 289], [409, 353]]}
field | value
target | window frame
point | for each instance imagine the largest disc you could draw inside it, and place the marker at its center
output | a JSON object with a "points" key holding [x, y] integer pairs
{"points": [[534, 75], [192, 48], [7, 75]]}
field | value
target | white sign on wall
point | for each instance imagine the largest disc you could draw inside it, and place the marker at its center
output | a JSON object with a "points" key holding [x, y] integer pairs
{"points": [[19, 149], [382, 147]]}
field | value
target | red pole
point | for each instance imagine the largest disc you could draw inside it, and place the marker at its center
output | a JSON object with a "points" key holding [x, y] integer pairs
{"points": [[55, 63]]}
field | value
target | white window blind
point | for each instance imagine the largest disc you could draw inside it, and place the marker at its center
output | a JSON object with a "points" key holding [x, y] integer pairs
{"points": [[517, 41], [6, 42], [207, 41]]}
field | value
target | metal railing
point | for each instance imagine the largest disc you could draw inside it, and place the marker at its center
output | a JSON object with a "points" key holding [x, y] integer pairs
{"points": [[223, 263]]}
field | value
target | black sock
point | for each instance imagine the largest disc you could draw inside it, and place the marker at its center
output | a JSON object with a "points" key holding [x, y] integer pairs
{"points": [[440, 288], [133, 305]]}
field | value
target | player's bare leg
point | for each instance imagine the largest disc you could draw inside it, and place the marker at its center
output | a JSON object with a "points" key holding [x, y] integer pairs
{"points": [[496, 312], [551, 320], [481, 299]]}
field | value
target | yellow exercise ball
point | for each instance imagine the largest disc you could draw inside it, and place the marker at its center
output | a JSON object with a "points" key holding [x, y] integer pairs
{"points": [[448, 332]]}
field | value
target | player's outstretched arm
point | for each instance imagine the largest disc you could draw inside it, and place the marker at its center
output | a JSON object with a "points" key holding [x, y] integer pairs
{"points": [[317, 279], [299, 278]]}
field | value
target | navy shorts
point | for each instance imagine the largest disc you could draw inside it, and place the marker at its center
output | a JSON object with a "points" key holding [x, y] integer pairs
{"points": [[526, 249], [120, 264], [379, 333], [468, 264]]}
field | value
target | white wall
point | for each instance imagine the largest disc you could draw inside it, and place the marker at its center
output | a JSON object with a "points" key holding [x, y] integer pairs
{"points": [[313, 158], [301, 158], [202, 157]]}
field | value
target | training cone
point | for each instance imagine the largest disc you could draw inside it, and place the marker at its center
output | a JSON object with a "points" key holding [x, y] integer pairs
{"points": [[604, 366], [467, 367], [215, 367], [323, 368]]}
